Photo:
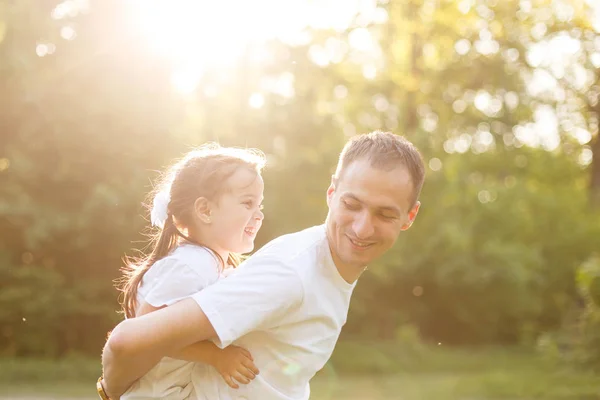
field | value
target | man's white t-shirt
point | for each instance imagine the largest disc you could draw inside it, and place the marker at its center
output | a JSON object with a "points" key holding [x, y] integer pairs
{"points": [[286, 304], [187, 270]]}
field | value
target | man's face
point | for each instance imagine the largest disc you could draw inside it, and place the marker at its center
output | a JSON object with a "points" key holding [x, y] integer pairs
{"points": [[368, 208]]}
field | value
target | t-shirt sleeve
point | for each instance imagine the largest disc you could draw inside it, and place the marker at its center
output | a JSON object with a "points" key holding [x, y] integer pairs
{"points": [[172, 280], [255, 297]]}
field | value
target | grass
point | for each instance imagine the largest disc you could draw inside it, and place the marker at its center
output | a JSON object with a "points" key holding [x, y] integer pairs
{"points": [[386, 373]]}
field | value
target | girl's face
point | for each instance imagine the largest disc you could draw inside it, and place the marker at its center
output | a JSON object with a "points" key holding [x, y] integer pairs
{"points": [[235, 217]]}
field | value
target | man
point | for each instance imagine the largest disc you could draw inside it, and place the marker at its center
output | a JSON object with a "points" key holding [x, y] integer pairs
{"points": [[288, 302]]}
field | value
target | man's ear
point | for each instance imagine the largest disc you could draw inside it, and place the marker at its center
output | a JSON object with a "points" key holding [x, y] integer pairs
{"points": [[331, 189], [412, 214], [202, 209]]}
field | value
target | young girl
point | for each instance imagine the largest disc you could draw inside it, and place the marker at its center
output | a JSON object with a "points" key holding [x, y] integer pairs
{"points": [[208, 209]]}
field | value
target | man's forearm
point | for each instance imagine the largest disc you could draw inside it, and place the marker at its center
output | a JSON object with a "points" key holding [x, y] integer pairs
{"points": [[121, 372], [137, 344]]}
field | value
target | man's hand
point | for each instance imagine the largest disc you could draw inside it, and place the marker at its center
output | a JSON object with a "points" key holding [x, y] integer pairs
{"points": [[111, 396], [235, 362]]}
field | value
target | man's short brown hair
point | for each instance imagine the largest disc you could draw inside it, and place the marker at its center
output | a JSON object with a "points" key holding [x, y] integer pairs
{"points": [[387, 151]]}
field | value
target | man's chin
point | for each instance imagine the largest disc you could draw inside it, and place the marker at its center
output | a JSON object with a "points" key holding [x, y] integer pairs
{"points": [[357, 263], [362, 262]]}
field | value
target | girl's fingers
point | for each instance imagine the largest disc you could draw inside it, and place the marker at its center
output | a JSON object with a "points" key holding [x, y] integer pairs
{"points": [[250, 365], [246, 372], [240, 378], [230, 381]]}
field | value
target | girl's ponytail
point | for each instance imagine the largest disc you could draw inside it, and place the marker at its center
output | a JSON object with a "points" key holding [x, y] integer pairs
{"points": [[134, 271]]}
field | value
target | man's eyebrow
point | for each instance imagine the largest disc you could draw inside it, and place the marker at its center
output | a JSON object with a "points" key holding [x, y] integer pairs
{"points": [[394, 210], [351, 196]]}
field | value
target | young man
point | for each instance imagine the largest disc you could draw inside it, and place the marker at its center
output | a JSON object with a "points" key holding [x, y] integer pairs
{"points": [[288, 302]]}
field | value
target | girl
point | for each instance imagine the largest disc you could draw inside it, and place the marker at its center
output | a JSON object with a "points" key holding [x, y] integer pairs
{"points": [[208, 209]]}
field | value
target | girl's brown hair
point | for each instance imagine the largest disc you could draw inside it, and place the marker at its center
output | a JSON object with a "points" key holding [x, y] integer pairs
{"points": [[201, 173]]}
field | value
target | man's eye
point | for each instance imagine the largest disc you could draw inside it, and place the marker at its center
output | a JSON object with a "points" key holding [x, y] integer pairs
{"points": [[351, 206]]}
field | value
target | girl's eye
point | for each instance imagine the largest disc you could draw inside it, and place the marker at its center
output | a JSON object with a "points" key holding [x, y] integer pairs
{"points": [[249, 204]]}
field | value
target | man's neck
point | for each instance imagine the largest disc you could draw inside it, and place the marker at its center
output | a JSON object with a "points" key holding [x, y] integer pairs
{"points": [[350, 273]]}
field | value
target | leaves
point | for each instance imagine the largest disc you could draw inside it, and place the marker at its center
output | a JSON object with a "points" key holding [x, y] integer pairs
{"points": [[503, 227]]}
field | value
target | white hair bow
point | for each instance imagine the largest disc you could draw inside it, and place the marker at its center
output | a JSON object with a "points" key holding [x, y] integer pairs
{"points": [[160, 204]]}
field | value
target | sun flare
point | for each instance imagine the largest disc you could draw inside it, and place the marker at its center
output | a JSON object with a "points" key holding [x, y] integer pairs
{"points": [[196, 35]]}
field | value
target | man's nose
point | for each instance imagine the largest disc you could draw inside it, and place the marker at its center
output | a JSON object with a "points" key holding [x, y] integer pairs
{"points": [[363, 225]]}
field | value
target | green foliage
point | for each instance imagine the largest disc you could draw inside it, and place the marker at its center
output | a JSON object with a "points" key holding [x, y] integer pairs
{"points": [[492, 257], [578, 339], [588, 344], [69, 369], [588, 280], [36, 304]]}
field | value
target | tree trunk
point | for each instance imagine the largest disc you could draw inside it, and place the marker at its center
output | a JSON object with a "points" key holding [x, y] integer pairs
{"points": [[410, 116], [594, 189], [595, 172]]}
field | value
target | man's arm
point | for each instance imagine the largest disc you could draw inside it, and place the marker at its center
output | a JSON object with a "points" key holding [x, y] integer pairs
{"points": [[138, 344], [205, 352], [261, 293]]}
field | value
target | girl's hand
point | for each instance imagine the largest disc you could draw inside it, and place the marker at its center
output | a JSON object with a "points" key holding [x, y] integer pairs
{"points": [[235, 362]]}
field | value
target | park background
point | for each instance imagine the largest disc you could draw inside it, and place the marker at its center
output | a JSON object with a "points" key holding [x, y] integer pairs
{"points": [[494, 292]]}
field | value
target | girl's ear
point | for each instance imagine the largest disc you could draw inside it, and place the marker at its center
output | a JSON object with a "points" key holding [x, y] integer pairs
{"points": [[202, 209]]}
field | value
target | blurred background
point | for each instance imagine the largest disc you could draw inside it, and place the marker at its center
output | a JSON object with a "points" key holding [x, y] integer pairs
{"points": [[493, 293]]}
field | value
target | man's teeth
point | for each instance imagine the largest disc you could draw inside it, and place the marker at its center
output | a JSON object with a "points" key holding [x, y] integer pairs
{"points": [[359, 244]]}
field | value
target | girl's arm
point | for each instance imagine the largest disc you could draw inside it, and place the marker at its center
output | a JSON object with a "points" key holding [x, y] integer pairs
{"points": [[233, 363]]}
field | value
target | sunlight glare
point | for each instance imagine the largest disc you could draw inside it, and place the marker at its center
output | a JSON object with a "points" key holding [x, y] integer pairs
{"points": [[369, 71], [186, 80], [68, 33], [217, 35], [257, 100], [186, 30], [435, 164], [212, 32], [70, 8], [583, 136], [585, 157]]}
